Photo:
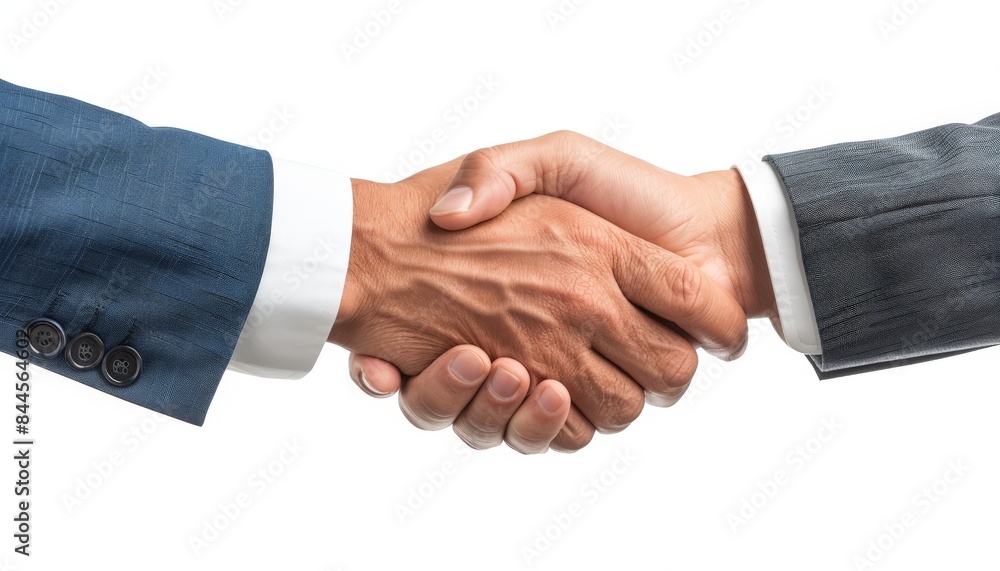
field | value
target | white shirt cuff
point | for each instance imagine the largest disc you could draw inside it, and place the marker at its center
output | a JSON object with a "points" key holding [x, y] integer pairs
{"points": [[303, 279], [780, 234]]}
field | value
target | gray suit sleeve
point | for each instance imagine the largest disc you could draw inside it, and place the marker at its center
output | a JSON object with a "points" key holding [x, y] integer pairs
{"points": [[901, 244]]}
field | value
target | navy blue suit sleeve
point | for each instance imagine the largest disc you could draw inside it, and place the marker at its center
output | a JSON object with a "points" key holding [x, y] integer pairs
{"points": [[901, 244], [153, 238]]}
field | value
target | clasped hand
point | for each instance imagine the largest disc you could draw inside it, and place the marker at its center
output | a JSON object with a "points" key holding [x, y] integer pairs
{"points": [[544, 320]]}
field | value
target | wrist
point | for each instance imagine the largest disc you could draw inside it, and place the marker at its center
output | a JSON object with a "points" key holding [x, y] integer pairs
{"points": [[742, 246], [357, 285]]}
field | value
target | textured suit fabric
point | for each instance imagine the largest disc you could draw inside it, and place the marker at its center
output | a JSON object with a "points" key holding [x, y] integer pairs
{"points": [[901, 243], [149, 237]]}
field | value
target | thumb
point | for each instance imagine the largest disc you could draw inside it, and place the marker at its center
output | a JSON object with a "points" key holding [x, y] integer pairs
{"points": [[488, 180], [375, 377]]}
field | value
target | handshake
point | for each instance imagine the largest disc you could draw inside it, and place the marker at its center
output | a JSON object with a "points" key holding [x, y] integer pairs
{"points": [[542, 320]]}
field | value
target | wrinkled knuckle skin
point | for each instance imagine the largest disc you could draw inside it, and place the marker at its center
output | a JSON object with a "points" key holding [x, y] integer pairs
{"points": [[621, 414], [575, 146], [609, 403], [601, 320], [485, 158], [686, 284], [615, 322], [586, 306], [594, 238], [679, 369], [565, 136]]}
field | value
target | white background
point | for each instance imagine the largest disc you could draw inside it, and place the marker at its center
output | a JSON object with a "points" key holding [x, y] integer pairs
{"points": [[232, 74]]}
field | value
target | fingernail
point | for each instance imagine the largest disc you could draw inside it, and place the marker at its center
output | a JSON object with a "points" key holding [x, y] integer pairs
{"points": [[504, 384], [455, 201], [550, 400], [467, 367], [368, 385]]}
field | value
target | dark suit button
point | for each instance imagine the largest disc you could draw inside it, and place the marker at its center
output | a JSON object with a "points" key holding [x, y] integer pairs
{"points": [[46, 338], [122, 366], [84, 352]]}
